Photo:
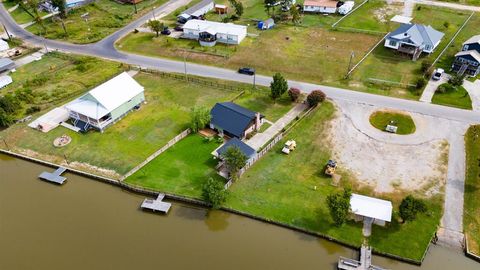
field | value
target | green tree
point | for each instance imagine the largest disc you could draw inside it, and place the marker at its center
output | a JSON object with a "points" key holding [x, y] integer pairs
{"points": [[200, 117], [269, 6], [295, 13], [420, 83], [213, 191], [315, 97], [234, 160], [278, 86], [156, 26], [410, 207], [33, 6], [10, 104], [62, 7], [238, 6], [339, 206], [5, 119]]}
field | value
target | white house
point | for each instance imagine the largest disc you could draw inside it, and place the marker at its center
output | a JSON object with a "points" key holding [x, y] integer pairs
{"points": [[3, 45], [208, 33], [320, 6], [107, 103], [196, 11], [414, 39]]}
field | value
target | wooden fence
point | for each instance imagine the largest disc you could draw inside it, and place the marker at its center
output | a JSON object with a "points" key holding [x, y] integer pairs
{"points": [[195, 80], [157, 153]]}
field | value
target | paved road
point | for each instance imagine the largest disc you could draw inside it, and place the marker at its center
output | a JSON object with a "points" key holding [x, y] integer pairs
{"points": [[105, 49]]}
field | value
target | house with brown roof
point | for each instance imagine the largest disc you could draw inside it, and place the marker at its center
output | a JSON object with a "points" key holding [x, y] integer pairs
{"points": [[320, 6]]}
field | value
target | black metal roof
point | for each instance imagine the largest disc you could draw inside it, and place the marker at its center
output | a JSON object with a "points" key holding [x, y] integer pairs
{"points": [[232, 118]]}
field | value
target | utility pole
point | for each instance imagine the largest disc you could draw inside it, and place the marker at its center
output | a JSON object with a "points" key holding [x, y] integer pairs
{"points": [[350, 64], [254, 78], [135, 6], [185, 65], [153, 13], [6, 31]]}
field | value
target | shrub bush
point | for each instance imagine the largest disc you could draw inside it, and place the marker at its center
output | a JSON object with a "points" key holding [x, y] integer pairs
{"points": [[446, 87], [410, 207], [294, 93], [420, 83], [315, 97], [456, 80]]}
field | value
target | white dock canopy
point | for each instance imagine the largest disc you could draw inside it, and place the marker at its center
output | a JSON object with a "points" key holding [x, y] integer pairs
{"points": [[371, 207]]}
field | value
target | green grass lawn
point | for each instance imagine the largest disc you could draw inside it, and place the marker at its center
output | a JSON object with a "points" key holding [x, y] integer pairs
{"points": [[128, 142], [259, 100], [458, 98], [281, 188], [105, 17], [386, 64], [471, 216], [464, 2], [182, 169], [298, 52], [58, 77], [467, 32], [373, 16], [404, 122]]}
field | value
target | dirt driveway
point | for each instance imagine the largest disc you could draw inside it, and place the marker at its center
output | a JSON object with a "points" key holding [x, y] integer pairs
{"points": [[388, 162]]}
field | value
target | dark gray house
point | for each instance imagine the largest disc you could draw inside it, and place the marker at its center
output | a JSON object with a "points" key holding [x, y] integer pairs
{"points": [[467, 62], [248, 151], [413, 39], [234, 120], [6, 64]]}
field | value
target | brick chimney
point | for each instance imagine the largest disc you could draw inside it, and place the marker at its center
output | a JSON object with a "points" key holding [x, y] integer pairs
{"points": [[258, 123]]}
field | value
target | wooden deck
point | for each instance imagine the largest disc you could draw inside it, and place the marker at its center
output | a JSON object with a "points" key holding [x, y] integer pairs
{"points": [[365, 262], [157, 204], [54, 177]]}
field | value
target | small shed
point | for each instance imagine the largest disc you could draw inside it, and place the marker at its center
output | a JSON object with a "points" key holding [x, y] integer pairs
{"points": [[266, 24], [3, 45], [248, 151], [221, 9], [6, 64]]}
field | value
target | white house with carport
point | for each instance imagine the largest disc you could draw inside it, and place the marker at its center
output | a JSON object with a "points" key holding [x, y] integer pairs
{"points": [[208, 32], [371, 211], [320, 6], [106, 104]]}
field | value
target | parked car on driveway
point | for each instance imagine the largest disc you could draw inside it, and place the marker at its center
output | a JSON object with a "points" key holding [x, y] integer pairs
{"points": [[165, 31], [437, 74], [246, 71]]}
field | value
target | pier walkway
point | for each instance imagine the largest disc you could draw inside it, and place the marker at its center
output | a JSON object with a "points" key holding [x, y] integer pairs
{"points": [[157, 204], [365, 262], [54, 177]]}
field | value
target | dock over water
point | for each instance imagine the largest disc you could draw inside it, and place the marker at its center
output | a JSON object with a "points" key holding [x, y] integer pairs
{"points": [[54, 177], [157, 204], [365, 262]]}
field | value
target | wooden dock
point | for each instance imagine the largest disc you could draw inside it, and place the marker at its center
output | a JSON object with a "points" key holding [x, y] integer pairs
{"points": [[365, 262], [157, 204], [54, 177]]}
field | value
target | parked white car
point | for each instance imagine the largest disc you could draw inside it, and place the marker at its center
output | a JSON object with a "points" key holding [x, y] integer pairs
{"points": [[437, 74]]}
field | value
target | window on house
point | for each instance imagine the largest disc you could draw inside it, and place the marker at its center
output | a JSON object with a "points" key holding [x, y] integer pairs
{"points": [[392, 43], [465, 48], [428, 47]]}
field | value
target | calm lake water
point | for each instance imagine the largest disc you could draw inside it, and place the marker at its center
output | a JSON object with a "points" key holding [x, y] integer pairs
{"points": [[86, 224]]}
